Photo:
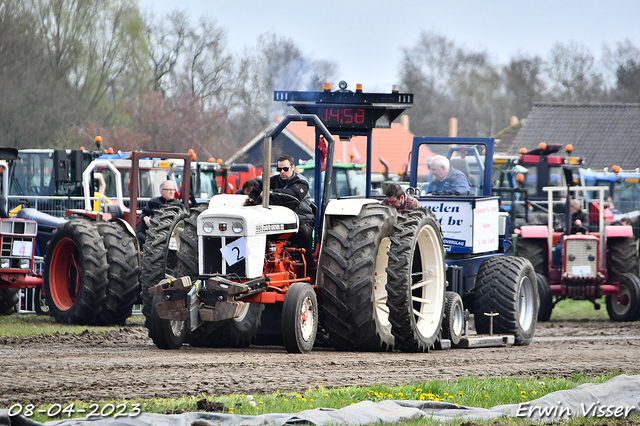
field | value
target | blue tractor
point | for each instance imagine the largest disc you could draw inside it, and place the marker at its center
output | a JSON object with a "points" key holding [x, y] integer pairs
{"points": [[500, 290]]}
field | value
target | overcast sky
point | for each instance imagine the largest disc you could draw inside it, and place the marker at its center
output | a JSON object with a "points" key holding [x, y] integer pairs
{"points": [[365, 38]]}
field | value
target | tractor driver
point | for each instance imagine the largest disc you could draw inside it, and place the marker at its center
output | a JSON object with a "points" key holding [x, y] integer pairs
{"points": [[447, 180], [290, 189]]}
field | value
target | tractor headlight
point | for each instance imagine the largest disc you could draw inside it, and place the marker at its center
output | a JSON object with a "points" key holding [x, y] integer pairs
{"points": [[237, 227], [207, 227], [5, 263], [25, 264]]}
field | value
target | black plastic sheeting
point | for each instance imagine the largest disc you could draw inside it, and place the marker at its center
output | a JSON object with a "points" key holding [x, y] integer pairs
{"points": [[618, 397]]}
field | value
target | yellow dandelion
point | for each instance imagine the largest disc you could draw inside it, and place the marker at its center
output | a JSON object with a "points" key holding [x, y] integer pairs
{"points": [[450, 396], [524, 396], [534, 392], [260, 402], [310, 399], [419, 390], [286, 399], [326, 394], [304, 399], [298, 396], [518, 384], [486, 396], [460, 393]]}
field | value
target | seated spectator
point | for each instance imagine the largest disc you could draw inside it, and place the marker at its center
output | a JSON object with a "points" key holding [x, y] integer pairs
{"points": [[446, 180]]}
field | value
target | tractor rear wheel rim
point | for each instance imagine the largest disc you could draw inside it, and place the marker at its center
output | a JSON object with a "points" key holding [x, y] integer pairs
{"points": [[427, 294], [380, 286], [65, 278]]}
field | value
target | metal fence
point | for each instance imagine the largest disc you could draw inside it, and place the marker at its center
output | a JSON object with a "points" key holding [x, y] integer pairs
{"points": [[56, 206]]}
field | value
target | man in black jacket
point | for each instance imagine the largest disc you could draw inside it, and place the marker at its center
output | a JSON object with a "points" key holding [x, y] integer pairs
{"points": [[290, 189], [167, 192]]}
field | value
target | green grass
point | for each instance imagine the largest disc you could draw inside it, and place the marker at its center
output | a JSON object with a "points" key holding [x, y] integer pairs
{"points": [[570, 310], [34, 325], [476, 392], [471, 391]]}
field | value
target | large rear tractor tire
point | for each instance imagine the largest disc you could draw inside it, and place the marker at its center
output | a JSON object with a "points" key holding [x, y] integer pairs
{"points": [[159, 260], [533, 249], [123, 259], [416, 281], [299, 318], [622, 257], [232, 333], [352, 279], [75, 272], [545, 305], [507, 285], [627, 306], [8, 300]]}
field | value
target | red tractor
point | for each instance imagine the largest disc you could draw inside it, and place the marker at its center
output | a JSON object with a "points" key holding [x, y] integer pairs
{"points": [[18, 242], [585, 265], [92, 262]]}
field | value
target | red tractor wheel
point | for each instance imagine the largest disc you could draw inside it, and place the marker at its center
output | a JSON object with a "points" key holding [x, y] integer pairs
{"points": [[75, 273]]}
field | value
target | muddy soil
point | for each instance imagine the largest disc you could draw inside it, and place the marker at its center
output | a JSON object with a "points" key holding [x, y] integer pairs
{"points": [[126, 364]]}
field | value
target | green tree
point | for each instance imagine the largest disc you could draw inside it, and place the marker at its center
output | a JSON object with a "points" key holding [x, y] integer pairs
{"points": [[99, 46], [36, 104]]}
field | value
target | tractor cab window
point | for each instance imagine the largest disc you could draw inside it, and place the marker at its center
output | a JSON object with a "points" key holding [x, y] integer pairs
{"points": [[208, 184], [32, 175], [467, 158]]}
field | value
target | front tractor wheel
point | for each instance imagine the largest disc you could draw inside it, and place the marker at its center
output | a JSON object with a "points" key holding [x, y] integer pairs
{"points": [[416, 282], [453, 322], [75, 272], [9, 298], [299, 318], [352, 279], [627, 306], [507, 285]]}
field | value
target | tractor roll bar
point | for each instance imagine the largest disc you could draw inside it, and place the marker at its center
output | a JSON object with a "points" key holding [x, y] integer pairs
{"points": [[329, 160]]}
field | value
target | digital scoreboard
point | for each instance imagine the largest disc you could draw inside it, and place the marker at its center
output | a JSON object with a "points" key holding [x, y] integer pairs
{"points": [[345, 110]]}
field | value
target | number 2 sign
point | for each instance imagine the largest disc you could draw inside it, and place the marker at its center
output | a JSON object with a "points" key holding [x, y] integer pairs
{"points": [[236, 251]]}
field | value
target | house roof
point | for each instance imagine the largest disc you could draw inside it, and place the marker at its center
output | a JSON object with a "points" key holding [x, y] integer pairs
{"points": [[603, 134], [393, 145]]}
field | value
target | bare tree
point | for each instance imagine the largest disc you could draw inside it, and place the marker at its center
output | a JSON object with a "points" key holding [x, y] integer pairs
{"points": [[166, 39], [448, 82], [624, 63], [523, 83], [207, 69], [571, 68], [275, 63]]}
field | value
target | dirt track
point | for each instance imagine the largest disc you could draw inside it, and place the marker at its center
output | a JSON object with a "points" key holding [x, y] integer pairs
{"points": [[126, 364]]}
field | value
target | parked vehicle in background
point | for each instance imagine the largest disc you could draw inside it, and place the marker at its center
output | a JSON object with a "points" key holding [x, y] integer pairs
{"points": [[348, 179], [18, 243]]}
